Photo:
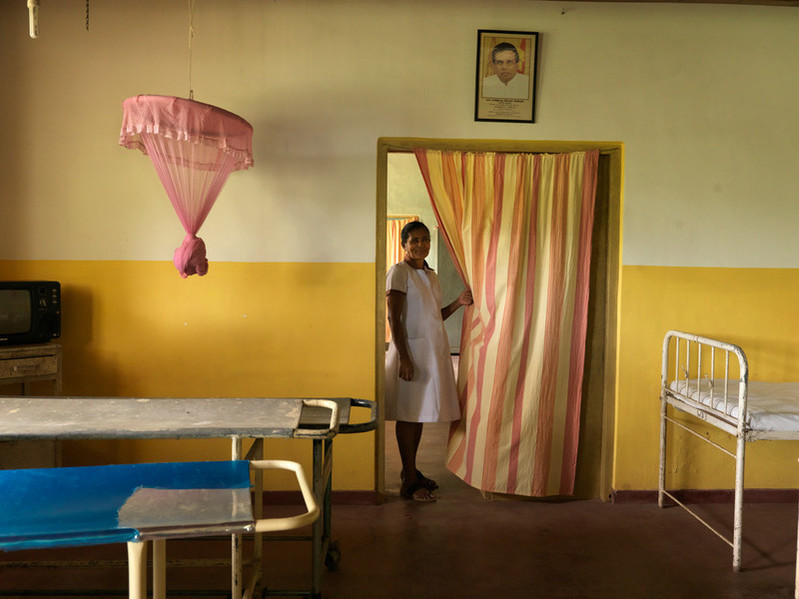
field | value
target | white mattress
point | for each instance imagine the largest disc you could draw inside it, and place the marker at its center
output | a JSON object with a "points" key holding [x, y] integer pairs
{"points": [[771, 406]]}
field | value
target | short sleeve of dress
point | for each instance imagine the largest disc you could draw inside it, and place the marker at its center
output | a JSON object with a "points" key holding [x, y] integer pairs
{"points": [[397, 279]]}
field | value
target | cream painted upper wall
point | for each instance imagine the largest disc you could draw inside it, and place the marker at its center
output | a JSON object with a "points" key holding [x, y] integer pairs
{"points": [[703, 96]]}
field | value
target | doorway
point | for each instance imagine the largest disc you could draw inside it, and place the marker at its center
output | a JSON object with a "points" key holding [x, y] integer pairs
{"points": [[594, 460]]}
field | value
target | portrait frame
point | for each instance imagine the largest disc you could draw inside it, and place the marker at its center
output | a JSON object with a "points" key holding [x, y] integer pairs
{"points": [[496, 97]]}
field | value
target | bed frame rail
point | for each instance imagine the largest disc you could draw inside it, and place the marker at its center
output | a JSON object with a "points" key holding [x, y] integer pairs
{"points": [[697, 364]]}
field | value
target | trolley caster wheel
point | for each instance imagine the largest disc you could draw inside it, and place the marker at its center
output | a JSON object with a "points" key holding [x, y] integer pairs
{"points": [[333, 556]]}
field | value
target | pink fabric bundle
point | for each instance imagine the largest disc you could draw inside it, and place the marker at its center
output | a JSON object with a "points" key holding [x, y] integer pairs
{"points": [[194, 148], [190, 257]]}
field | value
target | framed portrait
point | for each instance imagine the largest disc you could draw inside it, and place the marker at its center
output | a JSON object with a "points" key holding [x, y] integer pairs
{"points": [[506, 76]]}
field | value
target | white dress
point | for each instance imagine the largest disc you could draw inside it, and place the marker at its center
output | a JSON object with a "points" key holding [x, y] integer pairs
{"points": [[431, 396]]}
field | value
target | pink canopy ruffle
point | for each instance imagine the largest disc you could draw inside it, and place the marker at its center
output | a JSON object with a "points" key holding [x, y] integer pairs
{"points": [[194, 148], [184, 120]]}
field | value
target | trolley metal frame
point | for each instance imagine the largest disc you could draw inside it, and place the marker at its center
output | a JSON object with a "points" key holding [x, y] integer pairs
{"points": [[59, 418]]}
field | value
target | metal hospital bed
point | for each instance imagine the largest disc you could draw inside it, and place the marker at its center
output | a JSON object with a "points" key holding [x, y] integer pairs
{"points": [[709, 379], [320, 420]]}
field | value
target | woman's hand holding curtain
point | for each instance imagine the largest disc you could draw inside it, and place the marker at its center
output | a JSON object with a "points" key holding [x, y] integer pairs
{"points": [[464, 299]]}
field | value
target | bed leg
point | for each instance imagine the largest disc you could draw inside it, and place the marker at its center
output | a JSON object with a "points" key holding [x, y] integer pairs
{"points": [[796, 581], [662, 470], [159, 568], [137, 569], [739, 500], [236, 550]]}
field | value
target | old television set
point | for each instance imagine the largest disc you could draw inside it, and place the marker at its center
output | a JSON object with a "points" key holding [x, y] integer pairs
{"points": [[30, 312]]}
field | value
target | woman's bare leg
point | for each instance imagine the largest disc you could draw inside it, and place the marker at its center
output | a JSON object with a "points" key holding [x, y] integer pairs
{"points": [[409, 435]]}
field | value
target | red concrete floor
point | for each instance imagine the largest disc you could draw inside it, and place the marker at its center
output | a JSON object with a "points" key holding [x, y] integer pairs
{"points": [[467, 547]]}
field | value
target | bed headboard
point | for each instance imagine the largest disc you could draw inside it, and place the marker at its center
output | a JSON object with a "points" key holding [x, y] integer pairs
{"points": [[694, 366], [693, 357]]}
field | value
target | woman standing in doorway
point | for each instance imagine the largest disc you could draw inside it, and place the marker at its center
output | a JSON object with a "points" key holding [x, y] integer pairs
{"points": [[420, 382]]}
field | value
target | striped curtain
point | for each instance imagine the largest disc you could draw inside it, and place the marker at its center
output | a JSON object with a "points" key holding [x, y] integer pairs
{"points": [[394, 251], [394, 225], [519, 229]]}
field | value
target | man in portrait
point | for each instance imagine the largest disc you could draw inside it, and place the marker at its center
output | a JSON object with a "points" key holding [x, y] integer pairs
{"points": [[506, 82]]}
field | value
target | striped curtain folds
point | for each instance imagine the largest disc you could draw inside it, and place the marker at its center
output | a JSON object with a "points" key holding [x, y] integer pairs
{"points": [[394, 251], [394, 225], [519, 229]]}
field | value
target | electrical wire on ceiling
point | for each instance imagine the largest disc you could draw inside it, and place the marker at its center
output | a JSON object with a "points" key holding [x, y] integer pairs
{"points": [[192, 34]]}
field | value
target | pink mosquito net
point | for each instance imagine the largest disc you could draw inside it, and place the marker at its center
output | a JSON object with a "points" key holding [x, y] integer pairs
{"points": [[194, 148]]}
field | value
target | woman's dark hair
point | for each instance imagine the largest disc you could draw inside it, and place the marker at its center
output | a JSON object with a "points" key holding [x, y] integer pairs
{"points": [[410, 228]]}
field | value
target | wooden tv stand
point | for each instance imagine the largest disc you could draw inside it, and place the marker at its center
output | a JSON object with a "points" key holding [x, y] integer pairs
{"points": [[20, 367]]}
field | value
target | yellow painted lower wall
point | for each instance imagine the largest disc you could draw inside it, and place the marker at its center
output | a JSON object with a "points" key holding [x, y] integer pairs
{"points": [[753, 308], [243, 330], [289, 329]]}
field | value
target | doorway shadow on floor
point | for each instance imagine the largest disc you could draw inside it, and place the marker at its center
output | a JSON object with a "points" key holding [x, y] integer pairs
{"points": [[431, 460]]}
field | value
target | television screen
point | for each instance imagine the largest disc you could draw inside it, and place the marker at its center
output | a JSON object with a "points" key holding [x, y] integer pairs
{"points": [[15, 311]]}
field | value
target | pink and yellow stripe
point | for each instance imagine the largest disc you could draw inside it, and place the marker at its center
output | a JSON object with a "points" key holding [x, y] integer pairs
{"points": [[519, 228], [394, 251]]}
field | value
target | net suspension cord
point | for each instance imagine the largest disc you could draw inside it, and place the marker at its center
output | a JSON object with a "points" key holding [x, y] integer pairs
{"points": [[192, 34]]}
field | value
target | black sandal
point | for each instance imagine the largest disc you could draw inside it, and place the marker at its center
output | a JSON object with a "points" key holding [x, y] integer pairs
{"points": [[427, 483], [409, 492]]}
